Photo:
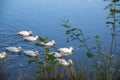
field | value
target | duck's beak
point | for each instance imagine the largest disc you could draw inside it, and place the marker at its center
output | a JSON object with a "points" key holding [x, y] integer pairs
{"points": [[54, 44], [73, 50]]}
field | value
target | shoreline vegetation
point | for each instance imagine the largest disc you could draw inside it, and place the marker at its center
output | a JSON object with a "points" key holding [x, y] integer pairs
{"points": [[54, 65]]}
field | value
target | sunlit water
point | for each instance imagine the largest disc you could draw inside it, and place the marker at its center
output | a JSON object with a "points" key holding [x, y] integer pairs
{"points": [[42, 17]]}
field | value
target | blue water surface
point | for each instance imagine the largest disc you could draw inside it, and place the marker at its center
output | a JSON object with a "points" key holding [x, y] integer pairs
{"points": [[42, 17]]}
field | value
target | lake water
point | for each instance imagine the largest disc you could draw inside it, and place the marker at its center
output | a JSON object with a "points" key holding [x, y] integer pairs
{"points": [[42, 17]]}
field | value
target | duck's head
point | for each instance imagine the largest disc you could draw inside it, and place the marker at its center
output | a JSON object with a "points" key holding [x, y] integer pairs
{"points": [[37, 37], [4, 53], [36, 52], [71, 48], [70, 62], [20, 48], [53, 41], [30, 33]]}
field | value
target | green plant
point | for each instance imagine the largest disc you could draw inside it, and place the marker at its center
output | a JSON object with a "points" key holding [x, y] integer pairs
{"points": [[46, 65], [105, 62]]}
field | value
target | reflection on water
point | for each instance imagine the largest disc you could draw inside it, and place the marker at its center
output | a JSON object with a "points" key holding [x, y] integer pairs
{"points": [[42, 17]]}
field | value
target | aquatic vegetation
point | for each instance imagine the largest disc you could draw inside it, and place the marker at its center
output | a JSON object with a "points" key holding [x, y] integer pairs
{"points": [[106, 63], [49, 64]]}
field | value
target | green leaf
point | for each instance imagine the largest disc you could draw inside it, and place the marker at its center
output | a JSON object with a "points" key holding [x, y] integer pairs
{"points": [[51, 57], [41, 63], [37, 72], [81, 46], [56, 62], [118, 11], [115, 0], [47, 50], [68, 31], [66, 26], [109, 22], [78, 34], [64, 20], [48, 69], [43, 39], [113, 11], [37, 44], [31, 61], [97, 36], [73, 29], [90, 55]]}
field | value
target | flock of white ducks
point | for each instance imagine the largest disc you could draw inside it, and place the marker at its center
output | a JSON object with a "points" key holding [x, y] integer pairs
{"points": [[27, 35], [62, 52]]}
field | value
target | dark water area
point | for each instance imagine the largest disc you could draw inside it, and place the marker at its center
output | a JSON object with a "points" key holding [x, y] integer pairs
{"points": [[42, 18]]}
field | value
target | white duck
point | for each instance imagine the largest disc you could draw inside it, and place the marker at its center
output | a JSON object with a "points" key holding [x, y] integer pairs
{"points": [[25, 33], [64, 62], [14, 49], [31, 38], [3, 55], [31, 53], [56, 54], [66, 50], [49, 44]]}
